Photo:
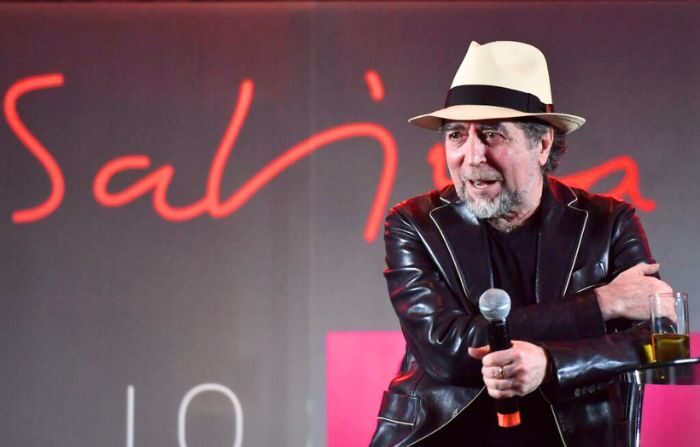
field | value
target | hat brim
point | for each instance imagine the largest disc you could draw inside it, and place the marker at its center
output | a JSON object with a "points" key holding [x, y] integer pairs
{"points": [[562, 121]]}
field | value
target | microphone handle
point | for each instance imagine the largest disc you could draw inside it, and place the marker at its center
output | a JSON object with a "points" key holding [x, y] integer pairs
{"points": [[499, 335], [506, 409]]}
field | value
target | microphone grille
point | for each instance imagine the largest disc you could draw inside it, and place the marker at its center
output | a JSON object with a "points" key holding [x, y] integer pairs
{"points": [[494, 304]]}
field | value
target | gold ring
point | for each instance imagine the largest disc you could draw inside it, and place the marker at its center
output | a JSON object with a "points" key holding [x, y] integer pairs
{"points": [[501, 374]]}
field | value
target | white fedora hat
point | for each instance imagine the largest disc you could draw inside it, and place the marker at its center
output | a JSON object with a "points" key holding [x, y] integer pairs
{"points": [[500, 80]]}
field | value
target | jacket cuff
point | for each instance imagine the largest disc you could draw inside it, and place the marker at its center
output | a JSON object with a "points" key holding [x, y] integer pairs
{"points": [[588, 366]]}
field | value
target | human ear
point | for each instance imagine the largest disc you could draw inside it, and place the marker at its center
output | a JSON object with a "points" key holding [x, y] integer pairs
{"points": [[545, 146]]}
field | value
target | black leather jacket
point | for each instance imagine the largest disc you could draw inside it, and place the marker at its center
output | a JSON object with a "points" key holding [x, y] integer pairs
{"points": [[437, 267]]}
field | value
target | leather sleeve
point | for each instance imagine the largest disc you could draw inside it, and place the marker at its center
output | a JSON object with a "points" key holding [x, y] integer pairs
{"points": [[628, 246], [588, 365], [437, 328]]}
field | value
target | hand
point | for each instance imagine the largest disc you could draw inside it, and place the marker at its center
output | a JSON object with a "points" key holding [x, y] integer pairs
{"points": [[627, 296], [524, 368]]}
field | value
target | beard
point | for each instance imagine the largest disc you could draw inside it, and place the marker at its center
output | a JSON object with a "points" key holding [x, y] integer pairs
{"points": [[485, 208]]}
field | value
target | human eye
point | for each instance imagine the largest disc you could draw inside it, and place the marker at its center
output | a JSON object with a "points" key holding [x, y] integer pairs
{"points": [[454, 135], [492, 137]]}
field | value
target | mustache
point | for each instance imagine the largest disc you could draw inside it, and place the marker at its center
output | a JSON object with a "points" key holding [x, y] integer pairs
{"points": [[484, 176]]}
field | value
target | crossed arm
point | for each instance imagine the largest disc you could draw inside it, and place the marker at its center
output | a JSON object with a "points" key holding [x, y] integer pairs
{"points": [[526, 365], [442, 330]]}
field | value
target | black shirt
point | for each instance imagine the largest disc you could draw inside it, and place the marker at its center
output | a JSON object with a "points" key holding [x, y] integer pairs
{"points": [[514, 265], [513, 262]]}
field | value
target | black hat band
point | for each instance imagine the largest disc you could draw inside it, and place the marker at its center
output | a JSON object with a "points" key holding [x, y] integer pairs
{"points": [[490, 95]]}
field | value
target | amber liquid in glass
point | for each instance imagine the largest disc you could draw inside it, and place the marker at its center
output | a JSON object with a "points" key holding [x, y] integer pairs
{"points": [[670, 346]]}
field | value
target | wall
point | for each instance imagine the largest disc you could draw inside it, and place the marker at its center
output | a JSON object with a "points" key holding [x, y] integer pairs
{"points": [[155, 241]]}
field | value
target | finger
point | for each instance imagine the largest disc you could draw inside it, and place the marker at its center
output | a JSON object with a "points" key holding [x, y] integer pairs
{"points": [[663, 287], [494, 372], [647, 269], [495, 384], [498, 358], [673, 315], [669, 309], [500, 394], [507, 387], [494, 393], [479, 352]]}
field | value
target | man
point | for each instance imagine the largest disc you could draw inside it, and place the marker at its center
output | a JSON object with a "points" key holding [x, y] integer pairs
{"points": [[576, 266]]}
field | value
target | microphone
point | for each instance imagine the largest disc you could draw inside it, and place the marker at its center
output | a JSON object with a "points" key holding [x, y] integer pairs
{"points": [[495, 307]]}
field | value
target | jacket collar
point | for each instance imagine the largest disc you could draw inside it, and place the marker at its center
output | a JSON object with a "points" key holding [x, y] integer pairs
{"points": [[561, 231]]}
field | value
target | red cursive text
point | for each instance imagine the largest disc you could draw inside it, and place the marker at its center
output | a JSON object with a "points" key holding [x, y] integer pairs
{"points": [[628, 186], [157, 181]]}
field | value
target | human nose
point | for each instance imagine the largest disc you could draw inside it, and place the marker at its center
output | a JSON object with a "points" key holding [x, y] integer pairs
{"points": [[475, 149]]}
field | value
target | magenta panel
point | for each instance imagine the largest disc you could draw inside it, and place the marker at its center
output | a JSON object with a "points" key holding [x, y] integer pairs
{"points": [[359, 366], [670, 416]]}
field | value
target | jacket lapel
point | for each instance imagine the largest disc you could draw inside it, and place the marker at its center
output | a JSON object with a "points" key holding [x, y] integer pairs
{"points": [[561, 232], [466, 242]]}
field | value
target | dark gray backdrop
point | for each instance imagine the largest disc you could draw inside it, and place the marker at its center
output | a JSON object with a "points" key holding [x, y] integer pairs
{"points": [[96, 299]]}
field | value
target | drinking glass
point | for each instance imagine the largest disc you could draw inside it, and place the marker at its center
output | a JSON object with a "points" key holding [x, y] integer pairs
{"points": [[670, 337]]}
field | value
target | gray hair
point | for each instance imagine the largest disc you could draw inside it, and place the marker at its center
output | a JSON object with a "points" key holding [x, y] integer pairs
{"points": [[535, 129]]}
